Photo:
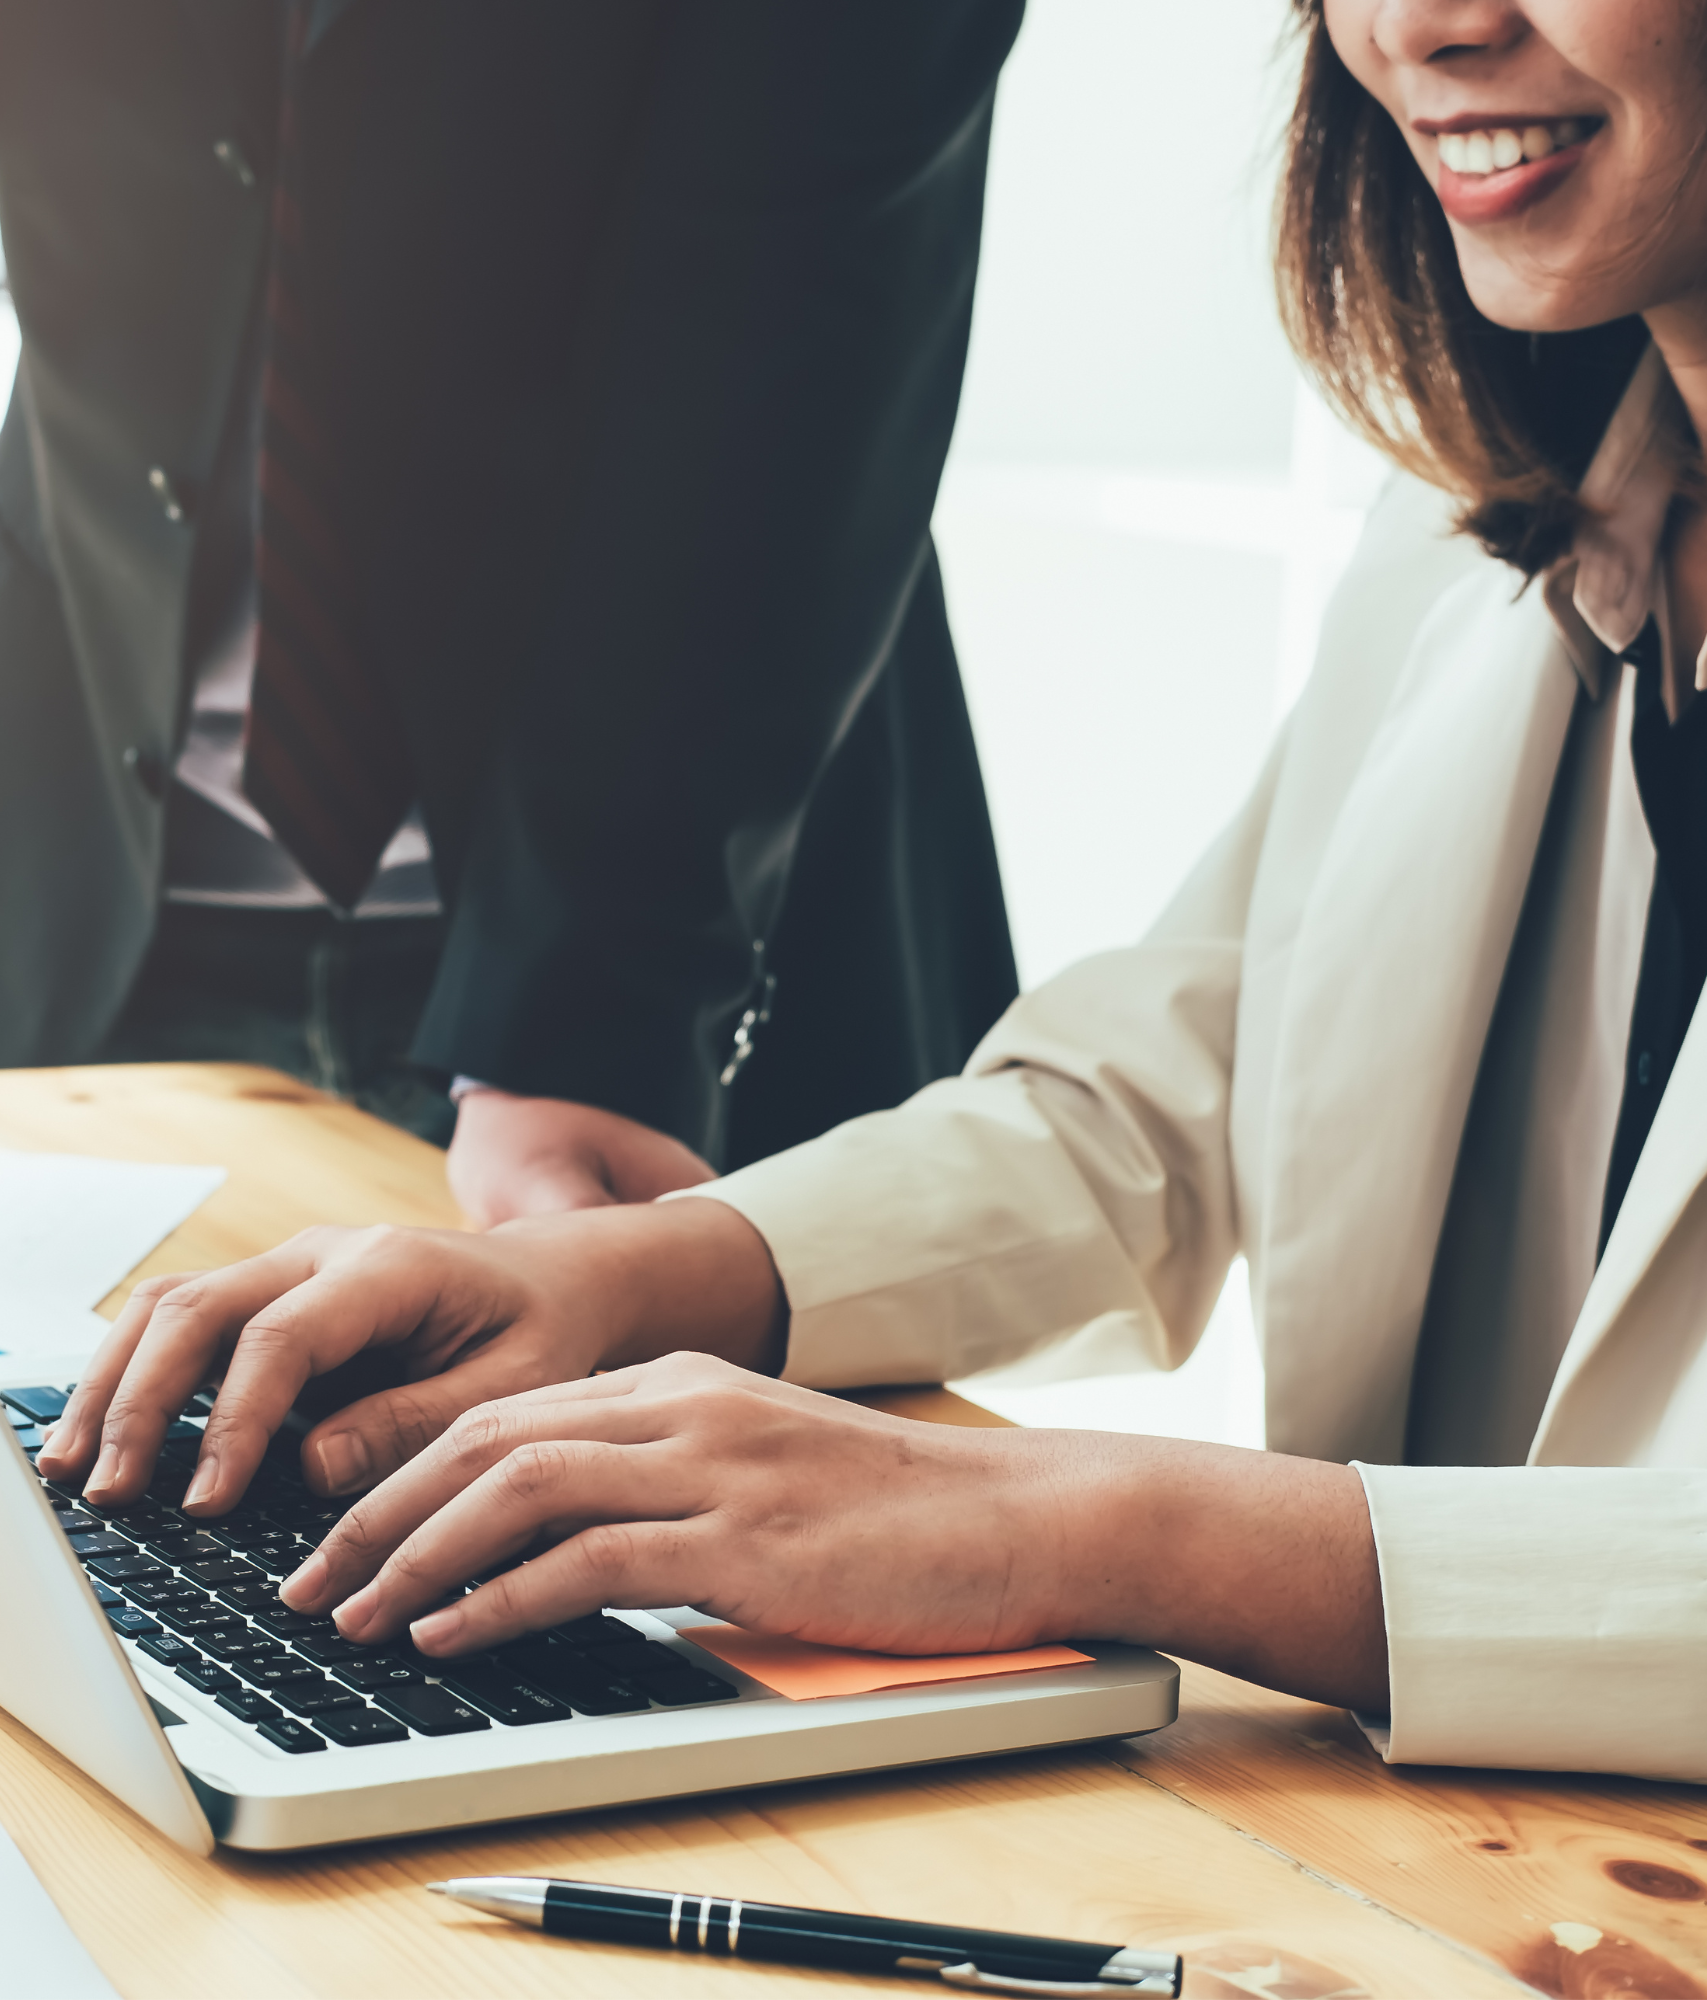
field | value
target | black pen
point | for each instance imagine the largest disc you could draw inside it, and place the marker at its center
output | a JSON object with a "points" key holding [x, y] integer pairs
{"points": [[730, 1928]]}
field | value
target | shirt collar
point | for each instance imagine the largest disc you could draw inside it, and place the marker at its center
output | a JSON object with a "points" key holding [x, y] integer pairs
{"points": [[1606, 589]]}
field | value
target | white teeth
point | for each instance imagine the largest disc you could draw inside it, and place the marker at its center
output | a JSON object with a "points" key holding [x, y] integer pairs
{"points": [[1499, 149]]}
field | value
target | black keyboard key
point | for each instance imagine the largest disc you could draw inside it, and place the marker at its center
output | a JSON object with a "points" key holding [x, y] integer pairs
{"points": [[326, 1699], [592, 1694], [132, 1624], [502, 1694], [289, 1734], [260, 1542], [133, 1568], [169, 1650], [404, 1649], [75, 1522], [248, 1597], [173, 1540], [193, 1620], [167, 1591], [182, 1442], [272, 1676], [372, 1675], [639, 1657], [279, 1558], [169, 1484], [598, 1630], [41, 1406], [354, 1728], [241, 1642], [206, 1678], [222, 1569], [290, 1624], [688, 1687], [328, 1651], [248, 1706], [569, 1677], [101, 1543], [137, 1521], [312, 1518], [106, 1597], [434, 1711]]}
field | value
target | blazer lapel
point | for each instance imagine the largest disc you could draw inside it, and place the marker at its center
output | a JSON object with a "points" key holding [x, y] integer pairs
{"points": [[1632, 1386], [1395, 973]]}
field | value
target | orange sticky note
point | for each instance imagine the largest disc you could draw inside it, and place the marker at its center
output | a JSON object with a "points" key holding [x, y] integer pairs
{"points": [[808, 1673]]}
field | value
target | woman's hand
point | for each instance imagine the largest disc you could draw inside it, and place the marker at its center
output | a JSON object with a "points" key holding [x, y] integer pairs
{"points": [[459, 1319], [686, 1481]]}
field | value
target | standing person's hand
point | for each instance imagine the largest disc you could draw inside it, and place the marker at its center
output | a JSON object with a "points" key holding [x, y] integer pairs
{"points": [[517, 1156]]}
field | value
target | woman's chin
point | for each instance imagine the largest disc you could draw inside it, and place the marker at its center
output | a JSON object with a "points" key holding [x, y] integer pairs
{"points": [[1524, 304]]}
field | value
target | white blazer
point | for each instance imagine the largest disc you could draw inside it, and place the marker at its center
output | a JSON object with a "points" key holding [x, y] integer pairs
{"points": [[1283, 1067]]}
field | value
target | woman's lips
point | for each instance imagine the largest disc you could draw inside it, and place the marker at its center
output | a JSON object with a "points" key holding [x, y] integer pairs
{"points": [[1478, 198]]}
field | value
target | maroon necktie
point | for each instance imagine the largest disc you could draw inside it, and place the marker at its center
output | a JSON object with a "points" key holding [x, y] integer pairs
{"points": [[325, 760]]}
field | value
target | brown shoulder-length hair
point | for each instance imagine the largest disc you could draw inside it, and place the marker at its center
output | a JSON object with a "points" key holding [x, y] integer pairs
{"points": [[1375, 307]]}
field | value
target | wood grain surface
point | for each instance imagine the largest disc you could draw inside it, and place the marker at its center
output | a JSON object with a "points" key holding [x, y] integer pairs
{"points": [[1581, 1886], [1062, 1844], [1261, 1835]]}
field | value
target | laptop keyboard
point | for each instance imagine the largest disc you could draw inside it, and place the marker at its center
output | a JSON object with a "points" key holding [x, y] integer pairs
{"points": [[201, 1597]]}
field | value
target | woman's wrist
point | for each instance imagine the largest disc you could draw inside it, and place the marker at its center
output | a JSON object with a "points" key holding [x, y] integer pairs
{"points": [[1261, 1565], [661, 1276]]}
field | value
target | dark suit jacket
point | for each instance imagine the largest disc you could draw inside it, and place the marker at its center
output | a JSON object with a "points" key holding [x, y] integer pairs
{"points": [[645, 322]]}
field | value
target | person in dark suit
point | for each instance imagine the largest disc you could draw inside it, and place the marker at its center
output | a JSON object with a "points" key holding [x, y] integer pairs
{"points": [[467, 604]]}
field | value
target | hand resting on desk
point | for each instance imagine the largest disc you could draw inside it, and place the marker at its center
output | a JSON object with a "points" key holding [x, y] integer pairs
{"points": [[680, 1478]]}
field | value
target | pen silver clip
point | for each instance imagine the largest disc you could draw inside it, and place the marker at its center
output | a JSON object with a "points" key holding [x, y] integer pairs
{"points": [[1134, 1972]]}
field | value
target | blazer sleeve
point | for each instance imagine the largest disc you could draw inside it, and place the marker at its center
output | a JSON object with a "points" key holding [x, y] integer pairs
{"points": [[1549, 1618], [1068, 1198]]}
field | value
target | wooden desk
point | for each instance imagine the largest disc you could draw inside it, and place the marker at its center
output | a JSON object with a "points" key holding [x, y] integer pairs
{"points": [[1260, 1835]]}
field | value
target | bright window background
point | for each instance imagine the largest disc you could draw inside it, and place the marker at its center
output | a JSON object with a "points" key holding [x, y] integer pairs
{"points": [[1143, 516]]}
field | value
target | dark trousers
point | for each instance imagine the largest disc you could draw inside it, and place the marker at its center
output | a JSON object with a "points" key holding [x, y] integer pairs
{"points": [[329, 1000]]}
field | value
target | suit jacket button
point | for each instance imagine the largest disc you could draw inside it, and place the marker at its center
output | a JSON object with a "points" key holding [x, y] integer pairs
{"points": [[231, 157], [171, 500], [148, 770]]}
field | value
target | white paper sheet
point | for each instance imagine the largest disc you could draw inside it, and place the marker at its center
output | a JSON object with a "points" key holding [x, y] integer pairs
{"points": [[70, 1229], [43, 1956]]}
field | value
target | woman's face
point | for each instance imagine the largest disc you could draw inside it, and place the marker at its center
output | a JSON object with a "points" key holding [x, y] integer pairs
{"points": [[1564, 138]]}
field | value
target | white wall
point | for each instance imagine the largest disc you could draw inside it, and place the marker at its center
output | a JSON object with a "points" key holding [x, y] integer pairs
{"points": [[1143, 514]]}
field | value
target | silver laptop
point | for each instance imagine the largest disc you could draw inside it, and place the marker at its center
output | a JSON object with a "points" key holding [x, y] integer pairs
{"points": [[153, 1651]]}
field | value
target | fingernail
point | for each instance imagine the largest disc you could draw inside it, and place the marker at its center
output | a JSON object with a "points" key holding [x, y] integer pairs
{"points": [[440, 1629], [206, 1479], [305, 1584], [105, 1472], [344, 1461], [355, 1614]]}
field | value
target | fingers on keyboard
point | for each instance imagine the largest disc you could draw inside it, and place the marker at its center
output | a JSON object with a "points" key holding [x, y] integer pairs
{"points": [[201, 1598]]}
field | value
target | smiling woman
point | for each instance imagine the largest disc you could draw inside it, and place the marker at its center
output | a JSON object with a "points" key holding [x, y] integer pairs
{"points": [[1476, 330]]}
